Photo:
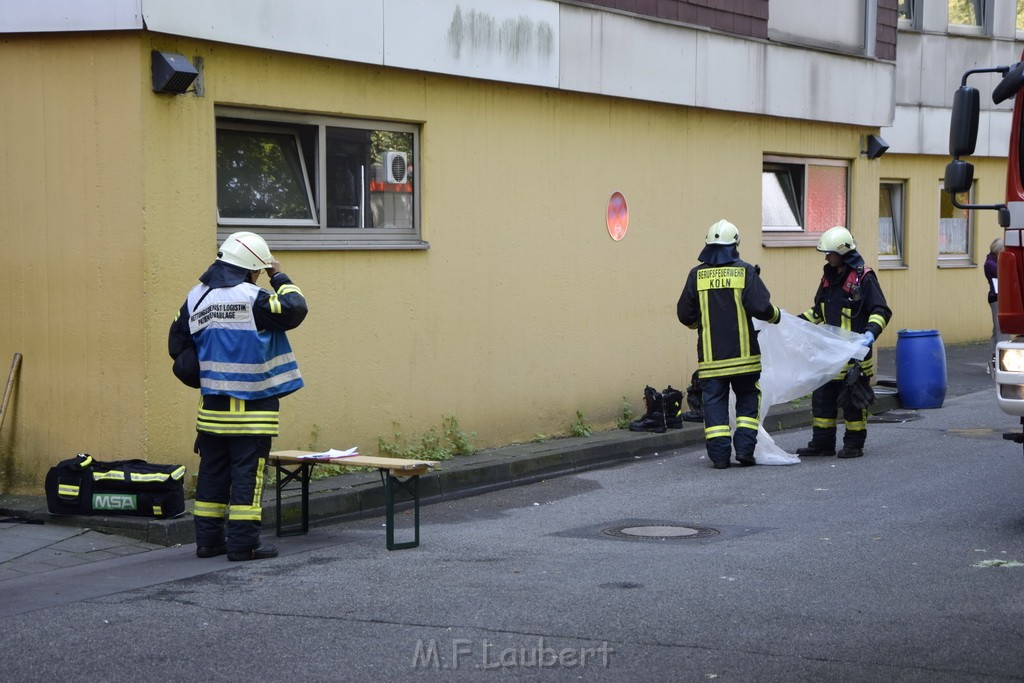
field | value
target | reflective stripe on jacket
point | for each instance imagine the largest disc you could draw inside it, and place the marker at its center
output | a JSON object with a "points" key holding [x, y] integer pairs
{"points": [[235, 358], [720, 301]]}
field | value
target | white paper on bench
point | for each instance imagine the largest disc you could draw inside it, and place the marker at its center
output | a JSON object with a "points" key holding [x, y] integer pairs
{"points": [[331, 453]]}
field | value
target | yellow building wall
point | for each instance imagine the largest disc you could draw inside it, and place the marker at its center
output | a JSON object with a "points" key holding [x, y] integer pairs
{"points": [[950, 300], [71, 235], [522, 311]]}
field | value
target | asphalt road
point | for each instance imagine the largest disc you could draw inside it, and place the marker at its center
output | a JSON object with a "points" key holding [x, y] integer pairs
{"points": [[904, 565]]}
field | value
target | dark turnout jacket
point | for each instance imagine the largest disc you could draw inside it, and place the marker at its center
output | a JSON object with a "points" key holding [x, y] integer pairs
{"points": [[720, 302], [851, 298]]}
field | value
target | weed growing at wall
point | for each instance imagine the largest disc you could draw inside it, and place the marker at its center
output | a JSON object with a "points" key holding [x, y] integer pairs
{"points": [[627, 414], [581, 427], [435, 444]]}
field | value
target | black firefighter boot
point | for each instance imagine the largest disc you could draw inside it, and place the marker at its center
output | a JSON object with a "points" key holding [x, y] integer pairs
{"points": [[672, 400], [823, 442], [694, 401], [853, 443], [654, 419]]}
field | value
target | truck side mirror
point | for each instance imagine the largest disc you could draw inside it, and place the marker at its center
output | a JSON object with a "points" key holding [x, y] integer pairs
{"points": [[963, 123], [958, 178], [1011, 84]]}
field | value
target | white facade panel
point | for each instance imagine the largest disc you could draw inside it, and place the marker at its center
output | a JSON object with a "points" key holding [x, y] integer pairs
{"points": [[909, 81], [732, 73], [580, 49], [822, 87], [515, 42], [960, 54], [838, 24], [612, 54], [339, 29], [935, 131], [22, 16], [936, 86], [904, 136], [925, 130], [1000, 125], [786, 83]]}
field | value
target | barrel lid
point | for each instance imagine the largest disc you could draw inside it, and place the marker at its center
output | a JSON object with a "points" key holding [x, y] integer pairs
{"points": [[918, 333]]}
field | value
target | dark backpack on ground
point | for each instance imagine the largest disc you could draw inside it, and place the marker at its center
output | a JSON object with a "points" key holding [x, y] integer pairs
{"points": [[85, 486]]}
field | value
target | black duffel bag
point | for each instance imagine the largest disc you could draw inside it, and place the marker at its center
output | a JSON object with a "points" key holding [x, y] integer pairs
{"points": [[85, 486]]}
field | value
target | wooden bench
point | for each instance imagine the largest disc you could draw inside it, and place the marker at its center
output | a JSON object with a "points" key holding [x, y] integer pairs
{"points": [[396, 473]]}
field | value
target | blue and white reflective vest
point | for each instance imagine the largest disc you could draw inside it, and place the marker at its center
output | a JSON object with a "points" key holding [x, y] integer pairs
{"points": [[236, 359]]}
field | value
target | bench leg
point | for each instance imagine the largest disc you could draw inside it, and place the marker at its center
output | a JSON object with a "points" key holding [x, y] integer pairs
{"points": [[412, 487], [302, 474]]}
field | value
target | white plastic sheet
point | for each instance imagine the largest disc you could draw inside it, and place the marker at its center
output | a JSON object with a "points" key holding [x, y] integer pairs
{"points": [[797, 358]]}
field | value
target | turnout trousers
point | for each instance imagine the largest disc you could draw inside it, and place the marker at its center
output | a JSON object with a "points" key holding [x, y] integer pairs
{"points": [[718, 439], [229, 490], [825, 409]]}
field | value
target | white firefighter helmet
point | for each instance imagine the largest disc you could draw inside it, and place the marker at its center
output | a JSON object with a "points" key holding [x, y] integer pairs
{"points": [[837, 239], [723, 232], [247, 250]]}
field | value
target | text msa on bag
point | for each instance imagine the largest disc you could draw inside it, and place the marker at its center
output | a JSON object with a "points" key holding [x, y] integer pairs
{"points": [[85, 486]]}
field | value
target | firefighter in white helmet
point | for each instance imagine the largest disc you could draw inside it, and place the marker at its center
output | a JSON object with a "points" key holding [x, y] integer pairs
{"points": [[721, 297], [228, 340], [848, 296]]}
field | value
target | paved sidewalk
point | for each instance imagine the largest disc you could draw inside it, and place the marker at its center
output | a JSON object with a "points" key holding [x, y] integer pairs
{"points": [[32, 541], [35, 547]]}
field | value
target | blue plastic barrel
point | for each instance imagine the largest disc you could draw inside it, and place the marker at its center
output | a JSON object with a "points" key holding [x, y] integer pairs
{"points": [[920, 368]]}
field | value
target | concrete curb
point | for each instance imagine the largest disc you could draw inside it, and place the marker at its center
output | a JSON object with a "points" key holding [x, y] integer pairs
{"points": [[358, 495]]}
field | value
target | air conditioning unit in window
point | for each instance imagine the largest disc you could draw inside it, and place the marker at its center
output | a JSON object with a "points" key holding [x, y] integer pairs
{"points": [[396, 167]]}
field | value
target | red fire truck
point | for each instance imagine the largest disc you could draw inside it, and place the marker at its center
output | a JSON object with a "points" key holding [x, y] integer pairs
{"points": [[963, 134]]}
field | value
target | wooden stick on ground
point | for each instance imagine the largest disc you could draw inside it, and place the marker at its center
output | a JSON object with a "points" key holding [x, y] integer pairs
{"points": [[10, 383]]}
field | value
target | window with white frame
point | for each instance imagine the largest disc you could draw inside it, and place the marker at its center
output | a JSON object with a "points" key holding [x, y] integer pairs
{"points": [[956, 230], [907, 14], [891, 223], [967, 15], [1020, 16], [802, 198], [316, 181]]}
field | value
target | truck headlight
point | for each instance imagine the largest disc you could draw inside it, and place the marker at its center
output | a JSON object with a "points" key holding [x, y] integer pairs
{"points": [[1011, 360]]}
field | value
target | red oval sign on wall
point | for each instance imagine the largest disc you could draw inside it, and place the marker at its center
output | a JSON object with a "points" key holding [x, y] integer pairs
{"points": [[618, 216]]}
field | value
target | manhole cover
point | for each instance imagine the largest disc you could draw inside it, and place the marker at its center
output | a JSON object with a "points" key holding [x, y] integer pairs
{"points": [[663, 532]]}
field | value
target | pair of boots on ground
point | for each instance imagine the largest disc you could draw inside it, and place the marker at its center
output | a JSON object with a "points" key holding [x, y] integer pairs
{"points": [[664, 410]]}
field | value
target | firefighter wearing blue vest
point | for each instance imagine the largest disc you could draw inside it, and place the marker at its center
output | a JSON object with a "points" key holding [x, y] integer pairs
{"points": [[849, 297], [721, 297], [229, 341]]}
